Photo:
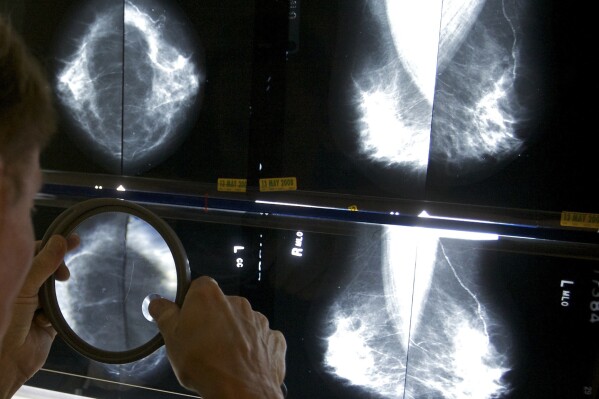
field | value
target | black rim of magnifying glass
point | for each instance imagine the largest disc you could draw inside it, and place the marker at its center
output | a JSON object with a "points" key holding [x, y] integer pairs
{"points": [[64, 225]]}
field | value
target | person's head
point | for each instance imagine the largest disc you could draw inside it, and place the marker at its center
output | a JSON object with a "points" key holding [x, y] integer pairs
{"points": [[27, 120]]}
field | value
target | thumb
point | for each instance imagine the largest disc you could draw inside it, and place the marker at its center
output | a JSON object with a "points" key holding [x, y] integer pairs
{"points": [[165, 313], [45, 263]]}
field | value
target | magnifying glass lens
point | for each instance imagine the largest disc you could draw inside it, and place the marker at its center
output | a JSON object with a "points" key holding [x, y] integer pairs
{"points": [[126, 258]]}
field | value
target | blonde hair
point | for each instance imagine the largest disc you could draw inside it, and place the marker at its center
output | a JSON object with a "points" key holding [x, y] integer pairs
{"points": [[27, 115]]}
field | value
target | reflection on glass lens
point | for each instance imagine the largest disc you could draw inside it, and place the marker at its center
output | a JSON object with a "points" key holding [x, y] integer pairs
{"points": [[145, 306], [120, 261]]}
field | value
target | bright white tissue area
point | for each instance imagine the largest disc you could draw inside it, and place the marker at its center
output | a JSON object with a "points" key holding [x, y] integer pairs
{"points": [[394, 95], [129, 95], [422, 302]]}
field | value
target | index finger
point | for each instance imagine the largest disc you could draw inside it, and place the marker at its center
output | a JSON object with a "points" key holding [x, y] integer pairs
{"points": [[203, 290], [205, 286]]}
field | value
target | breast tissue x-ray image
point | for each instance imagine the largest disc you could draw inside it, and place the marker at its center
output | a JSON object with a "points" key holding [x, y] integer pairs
{"points": [[368, 311], [477, 102], [470, 101], [131, 79], [446, 315]]}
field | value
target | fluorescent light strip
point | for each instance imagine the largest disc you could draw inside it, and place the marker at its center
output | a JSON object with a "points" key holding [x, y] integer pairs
{"points": [[27, 392], [425, 214], [459, 234], [294, 204]]}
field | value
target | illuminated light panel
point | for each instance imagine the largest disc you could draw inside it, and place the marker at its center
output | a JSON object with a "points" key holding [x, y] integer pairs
{"points": [[443, 326], [138, 374], [93, 378], [27, 392], [130, 90]]}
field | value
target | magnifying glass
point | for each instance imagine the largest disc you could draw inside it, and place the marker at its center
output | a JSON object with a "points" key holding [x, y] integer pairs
{"points": [[127, 257]]}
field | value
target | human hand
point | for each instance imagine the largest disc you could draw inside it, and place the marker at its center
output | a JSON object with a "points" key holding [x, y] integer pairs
{"points": [[29, 336], [219, 347]]}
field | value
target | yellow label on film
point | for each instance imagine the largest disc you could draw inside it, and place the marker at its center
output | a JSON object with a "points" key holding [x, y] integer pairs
{"points": [[232, 185], [578, 219], [278, 184]]}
